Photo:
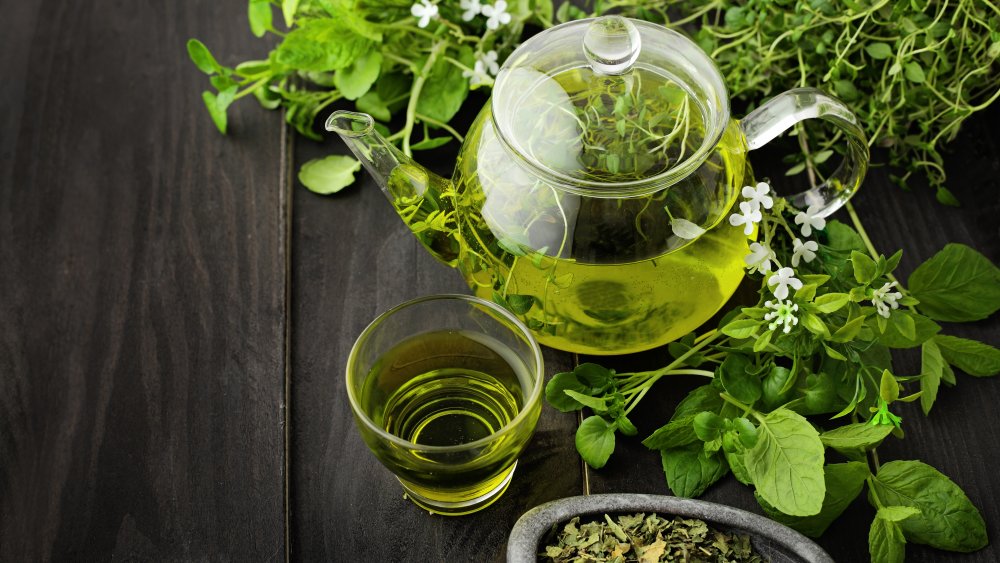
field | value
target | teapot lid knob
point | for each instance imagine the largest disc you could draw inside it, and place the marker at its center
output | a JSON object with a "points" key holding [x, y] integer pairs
{"points": [[611, 45]]}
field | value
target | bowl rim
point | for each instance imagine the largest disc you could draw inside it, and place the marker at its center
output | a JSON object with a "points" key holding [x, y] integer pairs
{"points": [[522, 546]]}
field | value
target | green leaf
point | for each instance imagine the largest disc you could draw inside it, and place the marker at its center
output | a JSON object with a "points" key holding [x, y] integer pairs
{"points": [[864, 267], [372, 103], [843, 483], [897, 513], [886, 543], [329, 175], [947, 520], [831, 302], [690, 470], [324, 44], [845, 90], [268, 98], [849, 331], [356, 79], [786, 465], [520, 304], [595, 441], [878, 50], [931, 371], [708, 426], [218, 104], [858, 436], [288, 9], [597, 377], [625, 425], [774, 390], [842, 237], [443, 93], [972, 357], [888, 387], [737, 380], [259, 14], [897, 322], [957, 284], [814, 325], [679, 431], [201, 57], [741, 328], [595, 404], [945, 197], [554, 391], [914, 72], [430, 143]]}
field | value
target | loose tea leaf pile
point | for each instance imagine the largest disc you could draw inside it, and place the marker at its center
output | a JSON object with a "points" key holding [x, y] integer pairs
{"points": [[648, 539]]}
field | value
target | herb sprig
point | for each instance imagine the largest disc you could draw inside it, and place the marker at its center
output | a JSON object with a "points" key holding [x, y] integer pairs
{"points": [[816, 343]]}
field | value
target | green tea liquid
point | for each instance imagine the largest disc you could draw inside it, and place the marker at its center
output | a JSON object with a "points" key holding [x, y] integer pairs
{"points": [[442, 389]]}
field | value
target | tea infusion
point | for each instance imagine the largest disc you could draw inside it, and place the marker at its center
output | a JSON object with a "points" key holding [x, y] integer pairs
{"points": [[590, 271], [448, 388]]}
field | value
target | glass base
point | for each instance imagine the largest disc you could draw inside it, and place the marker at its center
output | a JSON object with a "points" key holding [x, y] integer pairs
{"points": [[459, 508]]}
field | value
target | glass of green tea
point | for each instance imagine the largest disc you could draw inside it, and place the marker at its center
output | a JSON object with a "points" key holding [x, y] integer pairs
{"points": [[446, 391]]}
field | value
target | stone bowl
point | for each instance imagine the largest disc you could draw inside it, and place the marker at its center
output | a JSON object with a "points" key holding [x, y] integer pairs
{"points": [[776, 542]]}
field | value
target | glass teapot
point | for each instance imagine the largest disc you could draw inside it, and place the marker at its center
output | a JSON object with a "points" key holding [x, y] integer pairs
{"points": [[591, 193]]}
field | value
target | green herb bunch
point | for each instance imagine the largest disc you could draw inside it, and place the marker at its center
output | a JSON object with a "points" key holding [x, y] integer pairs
{"points": [[817, 343], [912, 70], [390, 57]]}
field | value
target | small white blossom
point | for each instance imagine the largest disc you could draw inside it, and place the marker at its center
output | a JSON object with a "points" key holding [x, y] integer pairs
{"points": [[425, 11], [496, 14], [485, 68], [883, 299], [784, 278], [472, 9], [806, 251], [758, 196], [809, 219], [783, 314], [747, 216], [759, 259]]}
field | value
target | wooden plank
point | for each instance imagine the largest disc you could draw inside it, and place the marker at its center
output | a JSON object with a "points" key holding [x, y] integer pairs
{"points": [[142, 291], [958, 438], [353, 258]]}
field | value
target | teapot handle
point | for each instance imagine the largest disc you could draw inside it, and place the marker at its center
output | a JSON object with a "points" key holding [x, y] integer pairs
{"points": [[788, 108]]}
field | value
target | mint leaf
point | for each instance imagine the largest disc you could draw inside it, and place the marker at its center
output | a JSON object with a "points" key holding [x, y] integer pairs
{"points": [[972, 357], [329, 175], [690, 470], [443, 93], [957, 284], [947, 520], [322, 45], [859, 436], [786, 465], [679, 431], [746, 387], [900, 324], [843, 483], [555, 391], [595, 440], [886, 543], [356, 79], [931, 371]]}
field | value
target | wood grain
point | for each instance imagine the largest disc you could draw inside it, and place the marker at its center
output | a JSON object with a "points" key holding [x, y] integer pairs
{"points": [[141, 291], [959, 437], [354, 258]]}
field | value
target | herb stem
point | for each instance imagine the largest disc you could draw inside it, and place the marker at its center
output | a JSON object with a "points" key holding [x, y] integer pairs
{"points": [[418, 85], [442, 125]]}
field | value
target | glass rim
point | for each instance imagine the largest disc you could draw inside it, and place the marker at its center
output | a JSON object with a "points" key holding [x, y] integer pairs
{"points": [[534, 397]]}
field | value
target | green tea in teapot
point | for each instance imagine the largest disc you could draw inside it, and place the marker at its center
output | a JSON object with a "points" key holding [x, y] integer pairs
{"points": [[592, 272]]}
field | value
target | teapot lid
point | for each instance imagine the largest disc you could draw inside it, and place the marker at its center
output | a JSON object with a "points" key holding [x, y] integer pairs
{"points": [[610, 106]]}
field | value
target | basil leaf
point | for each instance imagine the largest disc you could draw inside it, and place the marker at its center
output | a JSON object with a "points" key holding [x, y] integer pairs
{"points": [[786, 465], [886, 543], [773, 388], [323, 44], [737, 380], [595, 441], [947, 520], [742, 328], [690, 470], [931, 371], [900, 321], [970, 356], [855, 436], [676, 433], [329, 175], [864, 267], [957, 284], [555, 391], [443, 93], [843, 483]]}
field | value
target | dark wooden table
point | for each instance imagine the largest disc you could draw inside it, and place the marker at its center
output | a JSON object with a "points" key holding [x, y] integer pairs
{"points": [[175, 315]]}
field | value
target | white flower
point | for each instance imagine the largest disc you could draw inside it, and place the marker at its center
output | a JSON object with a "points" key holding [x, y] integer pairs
{"points": [[809, 219], [783, 278], [883, 299], [748, 216], [485, 67], [472, 9], [758, 196], [783, 314], [759, 259], [802, 251], [496, 14], [425, 11]]}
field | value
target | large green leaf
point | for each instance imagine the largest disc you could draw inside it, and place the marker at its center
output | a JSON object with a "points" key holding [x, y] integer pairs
{"points": [[886, 543], [843, 483], [329, 175], [356, 79], [786, 464], [970, 356], [595, 440], [931, 371], [322, 45], [443, 92], [947, 520], [690, 469], [957, 284], [855, 436]]}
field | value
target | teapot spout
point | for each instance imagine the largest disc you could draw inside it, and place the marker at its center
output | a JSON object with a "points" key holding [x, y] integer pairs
{"points": [[423, 200]]}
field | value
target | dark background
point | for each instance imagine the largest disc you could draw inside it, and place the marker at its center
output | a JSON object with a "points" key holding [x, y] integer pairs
{"points": [[175, 314]]}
